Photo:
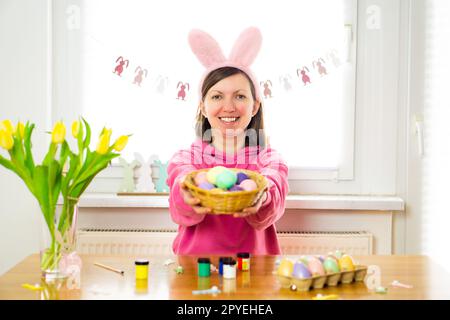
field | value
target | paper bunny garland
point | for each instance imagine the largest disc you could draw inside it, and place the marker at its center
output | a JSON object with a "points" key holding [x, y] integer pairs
{"points": [[244, 52]]}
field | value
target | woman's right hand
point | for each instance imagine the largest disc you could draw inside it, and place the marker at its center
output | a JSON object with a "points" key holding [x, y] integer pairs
{"points": [[190, 200]]}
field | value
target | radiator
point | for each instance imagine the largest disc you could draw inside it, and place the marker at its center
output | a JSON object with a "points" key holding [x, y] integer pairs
{"points": [[159, 242], [351, 242]]}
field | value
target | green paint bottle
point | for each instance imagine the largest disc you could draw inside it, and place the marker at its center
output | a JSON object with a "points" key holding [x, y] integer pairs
{"points": [[204, 267]]}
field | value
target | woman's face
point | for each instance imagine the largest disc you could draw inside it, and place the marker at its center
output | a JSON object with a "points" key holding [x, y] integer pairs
{"points": [[229, 105]]}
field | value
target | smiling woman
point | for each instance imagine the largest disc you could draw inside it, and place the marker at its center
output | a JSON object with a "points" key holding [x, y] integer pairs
{"points": [[229, 103]]}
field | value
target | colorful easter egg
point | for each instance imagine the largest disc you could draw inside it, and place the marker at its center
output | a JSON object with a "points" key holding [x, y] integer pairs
{"points": [[332, 256], [236, 188], [213, 173], [241, 177], [346, 263], [226, 179], [316, 267], [330, 265], [285, 268], [301, 271], [206, 186], [248, 185], [200, 178]]}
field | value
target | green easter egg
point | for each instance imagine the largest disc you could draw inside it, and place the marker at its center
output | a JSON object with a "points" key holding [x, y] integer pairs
{"points": [[226, 179], [331, 266], [212, 174]]}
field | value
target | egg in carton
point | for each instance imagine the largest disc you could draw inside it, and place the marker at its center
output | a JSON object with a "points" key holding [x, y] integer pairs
{"points": [[318, 272]]}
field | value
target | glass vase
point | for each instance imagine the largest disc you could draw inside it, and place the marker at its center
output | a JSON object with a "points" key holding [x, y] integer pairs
{"points": [[58, 244]]}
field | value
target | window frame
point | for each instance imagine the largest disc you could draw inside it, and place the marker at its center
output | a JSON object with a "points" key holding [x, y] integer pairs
{"points": [[355, 176]]}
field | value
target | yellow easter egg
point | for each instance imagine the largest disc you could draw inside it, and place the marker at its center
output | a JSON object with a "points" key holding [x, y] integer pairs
{"points": [[346, 263], [285, 268]]}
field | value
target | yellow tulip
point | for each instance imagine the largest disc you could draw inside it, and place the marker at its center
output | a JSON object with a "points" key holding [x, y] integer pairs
{"points": [[7, 126], [103, 144], [120, 143], [20, 129], [107, 132], [59, 132], [6, 139], [76, 129]]}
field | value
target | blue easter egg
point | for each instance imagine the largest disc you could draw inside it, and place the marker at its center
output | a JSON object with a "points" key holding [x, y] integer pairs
{"points": [[241, 177], [206, 186], [301, 271], [236, 188]]}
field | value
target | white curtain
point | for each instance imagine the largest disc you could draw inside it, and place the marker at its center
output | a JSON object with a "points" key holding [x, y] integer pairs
{"points": [[436, 160]]}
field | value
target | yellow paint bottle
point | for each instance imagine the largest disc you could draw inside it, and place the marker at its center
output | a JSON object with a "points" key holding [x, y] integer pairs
{"points": [[141, 269], [141, 286]]}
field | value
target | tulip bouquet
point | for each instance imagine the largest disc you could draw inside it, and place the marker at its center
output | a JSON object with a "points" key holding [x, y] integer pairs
{"points": [[62, 173]]}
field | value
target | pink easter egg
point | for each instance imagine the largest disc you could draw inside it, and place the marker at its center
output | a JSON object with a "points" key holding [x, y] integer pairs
{"points": [[316, 267], [200, 178], [248, 185]]}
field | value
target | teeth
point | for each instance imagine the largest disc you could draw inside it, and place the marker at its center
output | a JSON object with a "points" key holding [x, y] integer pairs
{"points": [[228, 119]]}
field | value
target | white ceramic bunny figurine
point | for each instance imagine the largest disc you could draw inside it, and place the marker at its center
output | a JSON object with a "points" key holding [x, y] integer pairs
{"points": [[145, 182], [127, 184]]}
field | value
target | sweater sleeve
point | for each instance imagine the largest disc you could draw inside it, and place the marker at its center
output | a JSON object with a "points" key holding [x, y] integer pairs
{"points": [[276, 173], [180, 212]]}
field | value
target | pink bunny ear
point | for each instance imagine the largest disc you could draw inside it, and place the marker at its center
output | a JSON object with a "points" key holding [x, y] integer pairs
{"points": [[246, 47], [205, 48]]}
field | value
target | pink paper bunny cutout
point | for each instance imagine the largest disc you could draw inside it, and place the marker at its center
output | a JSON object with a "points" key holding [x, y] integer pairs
{"points": [[244, 52]]}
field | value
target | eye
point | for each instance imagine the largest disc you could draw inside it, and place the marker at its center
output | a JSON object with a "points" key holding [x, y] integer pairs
{"points": [[215, 97], [241, 97]]}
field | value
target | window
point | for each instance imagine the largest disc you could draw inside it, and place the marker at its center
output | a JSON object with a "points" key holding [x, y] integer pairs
{"points": [[308, 62]]}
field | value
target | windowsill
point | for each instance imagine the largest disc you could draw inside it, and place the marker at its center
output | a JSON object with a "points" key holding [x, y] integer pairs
{"points": [[313, 202]]}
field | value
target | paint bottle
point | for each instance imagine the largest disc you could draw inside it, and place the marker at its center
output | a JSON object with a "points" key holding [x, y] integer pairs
{"points": [[204, 265], [243, 261], [141, 286], [229, 269], [141, 269], [221, 260]]}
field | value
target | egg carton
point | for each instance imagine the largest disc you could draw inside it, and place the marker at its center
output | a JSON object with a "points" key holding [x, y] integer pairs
{"points": [[330, 280]]}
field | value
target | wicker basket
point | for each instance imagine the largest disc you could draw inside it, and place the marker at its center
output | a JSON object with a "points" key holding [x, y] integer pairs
{"points": [[227, 202]]}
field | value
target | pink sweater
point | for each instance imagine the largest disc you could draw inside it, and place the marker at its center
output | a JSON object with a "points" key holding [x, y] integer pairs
{"points": [[223, 234]]}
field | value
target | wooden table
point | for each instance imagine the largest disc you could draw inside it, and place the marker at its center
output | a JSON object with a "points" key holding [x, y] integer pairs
{"points": [[428, 280]]}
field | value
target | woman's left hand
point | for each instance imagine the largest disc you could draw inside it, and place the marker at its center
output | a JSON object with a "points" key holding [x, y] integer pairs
{"points": [[254, 209]]}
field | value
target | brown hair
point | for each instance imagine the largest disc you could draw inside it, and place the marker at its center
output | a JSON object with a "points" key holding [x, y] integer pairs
{"points": [[256, 123]]}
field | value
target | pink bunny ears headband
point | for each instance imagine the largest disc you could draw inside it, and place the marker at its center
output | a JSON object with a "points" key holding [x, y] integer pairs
{"points": [[244, 52]]}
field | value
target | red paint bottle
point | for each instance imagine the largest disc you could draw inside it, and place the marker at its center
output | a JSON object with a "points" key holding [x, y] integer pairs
{"points": [[243, 261]]}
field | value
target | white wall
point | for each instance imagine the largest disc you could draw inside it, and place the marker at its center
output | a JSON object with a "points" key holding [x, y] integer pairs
{"points": [[24, 96]]}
